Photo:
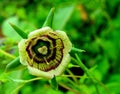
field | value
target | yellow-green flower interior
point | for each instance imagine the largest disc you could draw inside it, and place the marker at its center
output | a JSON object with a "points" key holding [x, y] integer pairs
{"points": [[45, 52]]}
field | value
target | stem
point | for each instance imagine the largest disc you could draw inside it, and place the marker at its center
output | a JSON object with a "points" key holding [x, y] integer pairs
{"points": [[34, 79], [72, 76], [102, 85], [73, 84], [7, 54], [49, 19], [76, 76], [85, 69], [19, 31], [68, 88], [16, 89]]}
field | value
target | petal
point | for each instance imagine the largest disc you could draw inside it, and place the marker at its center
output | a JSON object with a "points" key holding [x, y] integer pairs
{"points": [[50, 74], [59, 70], [22, 52], [39, 32], [66, 41], [40, 73]]}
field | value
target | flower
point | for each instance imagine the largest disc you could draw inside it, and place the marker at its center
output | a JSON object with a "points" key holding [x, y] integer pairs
{"points": [[45, 52]]}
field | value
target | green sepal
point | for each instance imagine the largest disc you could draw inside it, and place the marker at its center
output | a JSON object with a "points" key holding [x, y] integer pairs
{"points": [[19, 31], [77, 50], [14, 65], [53, 83], [49, 19]]}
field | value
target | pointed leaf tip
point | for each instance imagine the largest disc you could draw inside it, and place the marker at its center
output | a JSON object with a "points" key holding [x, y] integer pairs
{"points": [[49, 19], [19, 31], [54, 83], [14, 65]]}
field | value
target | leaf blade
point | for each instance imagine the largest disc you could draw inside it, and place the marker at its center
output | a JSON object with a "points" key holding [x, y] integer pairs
{"points": [[19, 31]]}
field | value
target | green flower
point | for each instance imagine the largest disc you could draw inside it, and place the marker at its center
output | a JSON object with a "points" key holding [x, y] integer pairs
{"points": [[45, 52]]}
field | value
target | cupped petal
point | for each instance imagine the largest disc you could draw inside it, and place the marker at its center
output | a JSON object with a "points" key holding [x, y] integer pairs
{"points": [[39, 32], [66, 41], [50, 74], [40, 73], [60, 69], [22, 51]]}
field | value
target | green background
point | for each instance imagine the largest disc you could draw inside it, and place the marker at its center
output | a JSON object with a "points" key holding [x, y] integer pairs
{"points": [[91, 25]]}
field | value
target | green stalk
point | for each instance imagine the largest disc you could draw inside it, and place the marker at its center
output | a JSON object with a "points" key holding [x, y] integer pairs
{"points": [[85, 69], [73, 76], [49, 19], [19, 31], [7, 54]]}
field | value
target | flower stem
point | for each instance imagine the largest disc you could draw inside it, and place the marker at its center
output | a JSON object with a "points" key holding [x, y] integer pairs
{"points": [[49, 19], [85, 69], [7, 54], [68, 88], [72, 75], [76, 76]]}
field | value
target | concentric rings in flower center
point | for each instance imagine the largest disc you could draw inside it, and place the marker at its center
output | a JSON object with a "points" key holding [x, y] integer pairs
{"points": [[45, 52]]}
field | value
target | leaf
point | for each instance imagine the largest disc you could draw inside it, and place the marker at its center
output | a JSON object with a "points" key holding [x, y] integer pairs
{"points": [[112, 87], [19, 31], [62, 16], [114, 78], [77, 50], [49, 19], [14, 65], [8, 31], [54, 83]]}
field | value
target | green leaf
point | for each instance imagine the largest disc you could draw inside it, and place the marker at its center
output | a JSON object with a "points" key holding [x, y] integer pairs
{"points": [[113, 87], [62, 16], [10, 86], [54, 83], [14, 65], [19, 31], [114, 78], [8, 30], [49, 19]]}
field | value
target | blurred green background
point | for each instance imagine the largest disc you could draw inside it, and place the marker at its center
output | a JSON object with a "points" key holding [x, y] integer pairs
{"points": [[92, 25]]}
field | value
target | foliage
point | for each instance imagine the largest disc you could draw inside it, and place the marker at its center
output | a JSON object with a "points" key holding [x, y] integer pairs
{"points": [[92, 25]]}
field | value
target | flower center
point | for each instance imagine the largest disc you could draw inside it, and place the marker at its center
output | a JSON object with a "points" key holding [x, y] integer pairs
{"points": [[43, 50], [46, 52]]}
